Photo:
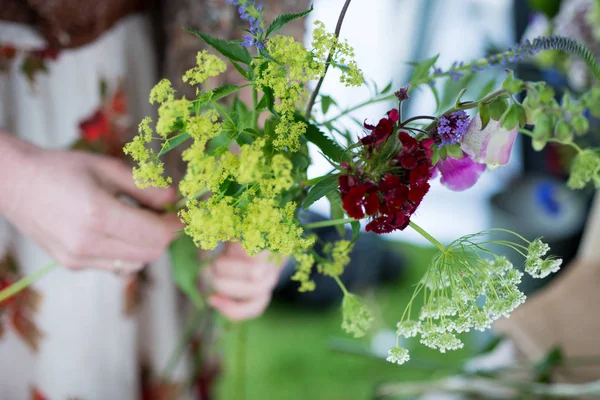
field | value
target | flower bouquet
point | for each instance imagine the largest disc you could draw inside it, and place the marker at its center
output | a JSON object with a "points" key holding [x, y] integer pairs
{"points": [[246, 177]]}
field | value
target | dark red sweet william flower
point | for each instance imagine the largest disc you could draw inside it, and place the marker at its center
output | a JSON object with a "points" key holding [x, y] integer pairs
{"points": [[382, 131], [390, 199], [361, 200]]}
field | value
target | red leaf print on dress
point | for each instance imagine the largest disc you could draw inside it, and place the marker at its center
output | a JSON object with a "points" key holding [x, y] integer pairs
{"points": [[17, 312]]}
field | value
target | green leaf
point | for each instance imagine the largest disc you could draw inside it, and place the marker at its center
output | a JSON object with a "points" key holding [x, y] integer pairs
{"points": [[239, 69], [497, 107], [548, 7], [281, 20], [355, 230], [421, 70], [436, 95], [484, 114], [387, 89], [543, 369], [326, 102], [329, 147], [320, 189], [454, 151], [174, 142], [225, 90], [267, 101], [436, 156], [185, 268], [511, 117], [337, 212], [230, 49]]}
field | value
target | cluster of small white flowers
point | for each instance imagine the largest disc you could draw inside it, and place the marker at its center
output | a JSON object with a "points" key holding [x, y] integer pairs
{"points": [[535, 265], [357, 317], [398, 355], [465, 292], [408, 328]]}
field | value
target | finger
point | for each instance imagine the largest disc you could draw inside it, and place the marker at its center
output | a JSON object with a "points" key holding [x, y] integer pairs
{"points": [[241, 289], [239, 311], [118, 249], [118, 174], [137, 226], [120, 267], [229, 267]]}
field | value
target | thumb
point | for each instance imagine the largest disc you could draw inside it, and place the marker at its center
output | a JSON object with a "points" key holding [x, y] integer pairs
{"points": [[118, 175]]}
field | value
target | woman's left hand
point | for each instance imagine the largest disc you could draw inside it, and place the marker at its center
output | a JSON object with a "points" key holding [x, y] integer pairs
{"points": [[242, 285]]}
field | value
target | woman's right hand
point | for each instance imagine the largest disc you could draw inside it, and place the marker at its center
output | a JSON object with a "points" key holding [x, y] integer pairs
{"points": [[67, 202]]}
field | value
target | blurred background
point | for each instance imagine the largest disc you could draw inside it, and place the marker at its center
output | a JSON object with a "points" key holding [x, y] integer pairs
{"points": [[297, 350]]}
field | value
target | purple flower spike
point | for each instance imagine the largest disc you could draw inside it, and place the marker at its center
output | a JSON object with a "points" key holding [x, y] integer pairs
{"points": [[451, 128], [491, 145], [459, 174]]}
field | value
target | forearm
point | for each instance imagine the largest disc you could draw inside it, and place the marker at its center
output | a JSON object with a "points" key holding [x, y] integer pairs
{"points": [[14, 155]]}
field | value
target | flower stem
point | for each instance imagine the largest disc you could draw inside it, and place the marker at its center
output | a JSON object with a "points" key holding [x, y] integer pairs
{"points": [[26, 281], [333, 222], [255, 111], [184, 341], [427, 236], [242, 346], [315, 93], [359, 106], [341, 285]]}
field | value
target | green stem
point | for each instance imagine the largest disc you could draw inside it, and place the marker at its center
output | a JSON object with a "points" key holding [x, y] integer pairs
{"points": [[338, 28], [427, 236], [242, 347], [359, 106], [255, 111], [333, 222], [341, 285], [26, 281], [184, 341]]}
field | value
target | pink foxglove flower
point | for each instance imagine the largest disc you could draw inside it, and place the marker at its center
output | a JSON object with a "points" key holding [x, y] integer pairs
{"points": [[491, 146], [459, 174]]}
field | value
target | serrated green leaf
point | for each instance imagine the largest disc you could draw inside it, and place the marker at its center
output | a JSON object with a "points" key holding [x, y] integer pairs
{"points": [[185, 268], [326, 102], [327, 146], [421, 70], [281, 20], [239, 69], [320, 189], [225, 90], [174, 142], [231, 49], [267, 101]]}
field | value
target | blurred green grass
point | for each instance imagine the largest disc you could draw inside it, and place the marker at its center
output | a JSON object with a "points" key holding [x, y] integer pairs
{"points": [[289, 354]]}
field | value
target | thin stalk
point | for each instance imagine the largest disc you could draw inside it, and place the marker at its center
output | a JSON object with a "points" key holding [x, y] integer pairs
{"points": [[184, 341], [333, 222], [255, 111], [315, 93], [408, 121], [427, 236], [359, 106], [26, 281], [242, 347]]}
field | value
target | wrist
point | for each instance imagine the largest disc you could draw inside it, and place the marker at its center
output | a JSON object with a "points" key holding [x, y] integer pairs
{"points": [[15, 161]]}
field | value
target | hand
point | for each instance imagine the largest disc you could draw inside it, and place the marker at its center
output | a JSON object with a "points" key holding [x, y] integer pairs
{"points": [[67, 203], [242, 284]]}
